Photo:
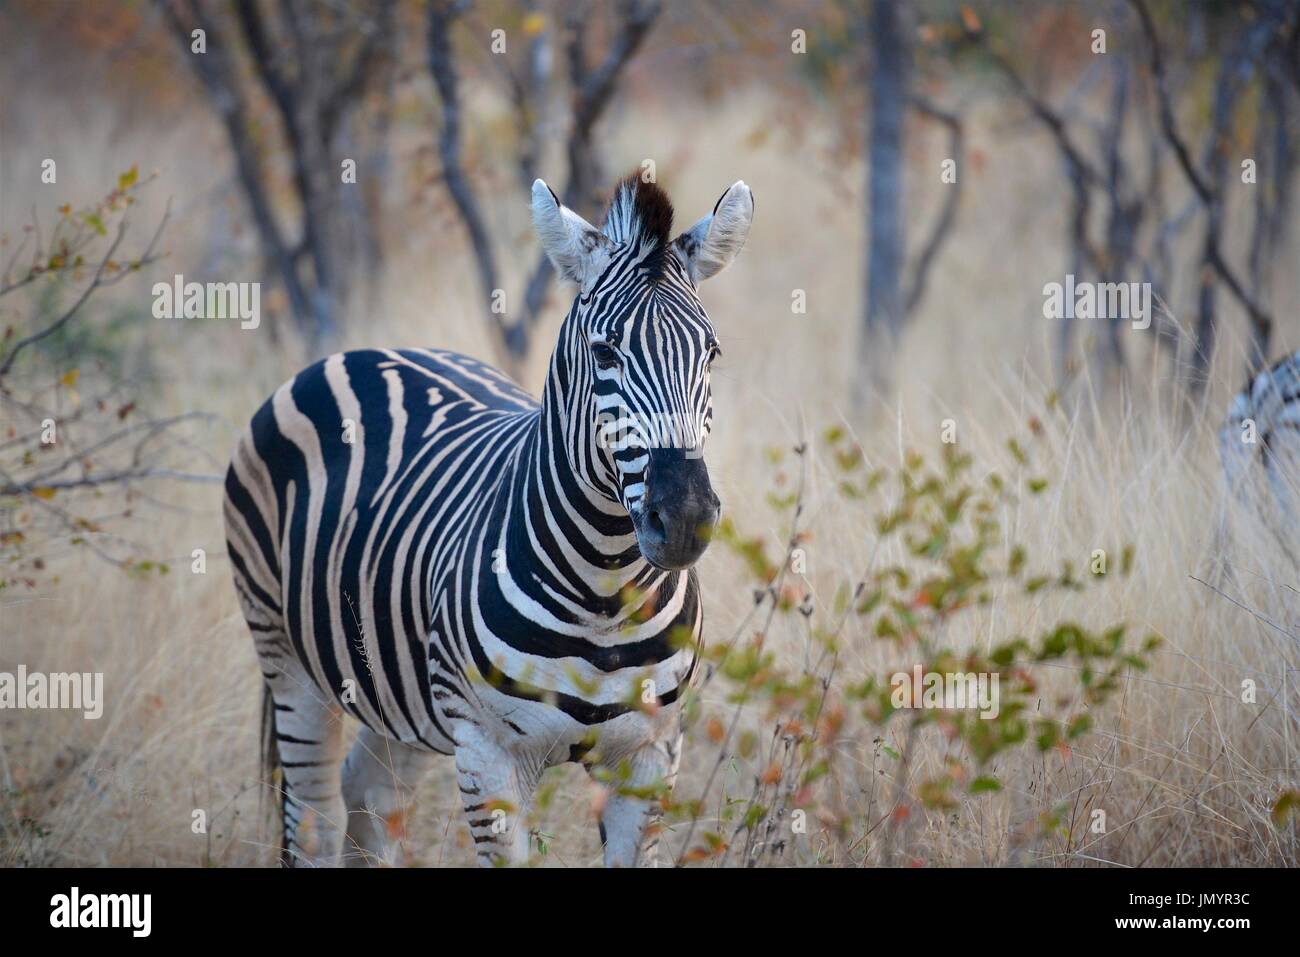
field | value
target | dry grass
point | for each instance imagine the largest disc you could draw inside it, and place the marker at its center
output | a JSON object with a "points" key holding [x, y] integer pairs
{"points": [[1184, 770]]}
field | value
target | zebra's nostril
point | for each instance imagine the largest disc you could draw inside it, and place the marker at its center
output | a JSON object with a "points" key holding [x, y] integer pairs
{"points": [[656, 523]]}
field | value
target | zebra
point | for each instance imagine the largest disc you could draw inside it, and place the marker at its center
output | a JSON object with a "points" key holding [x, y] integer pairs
{"points": [[1262, 436], [418, 543]]}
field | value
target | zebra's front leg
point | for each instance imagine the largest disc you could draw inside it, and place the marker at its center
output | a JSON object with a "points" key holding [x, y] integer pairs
{"points": [[380, 776], [631, 821], [495, 789]]}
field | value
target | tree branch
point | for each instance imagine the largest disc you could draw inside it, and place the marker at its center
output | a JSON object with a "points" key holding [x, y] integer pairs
{"points": [[942, 227], [216, 73], [442, 15], [593, 90], [1233, 71], [63, 320]]}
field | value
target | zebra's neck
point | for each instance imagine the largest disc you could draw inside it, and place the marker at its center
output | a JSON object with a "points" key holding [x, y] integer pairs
{"points": [[582, 541]]}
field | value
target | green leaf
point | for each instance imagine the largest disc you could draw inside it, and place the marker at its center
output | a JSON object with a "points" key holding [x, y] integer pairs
{"points": [[1047, 736], [1287, 802]]}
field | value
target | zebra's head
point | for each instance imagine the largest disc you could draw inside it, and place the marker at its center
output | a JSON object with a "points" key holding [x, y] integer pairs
{"points": [[631, 371]]}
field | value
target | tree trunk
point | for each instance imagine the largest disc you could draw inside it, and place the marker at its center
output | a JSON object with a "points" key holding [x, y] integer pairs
{"points": [[886, 250]]}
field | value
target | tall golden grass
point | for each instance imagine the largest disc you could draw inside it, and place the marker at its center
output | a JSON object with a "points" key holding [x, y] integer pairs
{"points": [[1185, 771]]}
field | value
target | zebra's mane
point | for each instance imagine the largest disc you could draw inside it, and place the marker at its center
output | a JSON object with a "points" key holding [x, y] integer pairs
{"points": [[640, 214]]}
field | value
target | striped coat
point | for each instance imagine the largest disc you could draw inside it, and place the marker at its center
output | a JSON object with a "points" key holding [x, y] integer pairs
{"points": [[1261, 438], [419, 544]]}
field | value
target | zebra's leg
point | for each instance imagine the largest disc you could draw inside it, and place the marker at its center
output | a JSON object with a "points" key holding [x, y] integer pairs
{"points": [[630, 823], [495, 789], [380, 776], [309, 739]]}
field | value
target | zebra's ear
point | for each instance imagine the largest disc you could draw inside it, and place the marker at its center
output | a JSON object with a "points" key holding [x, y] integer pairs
{"points": [[577, 249], [710, 245]]}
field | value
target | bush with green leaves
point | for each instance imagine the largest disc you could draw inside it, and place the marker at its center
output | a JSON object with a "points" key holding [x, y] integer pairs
{"points": [[799, 742]]}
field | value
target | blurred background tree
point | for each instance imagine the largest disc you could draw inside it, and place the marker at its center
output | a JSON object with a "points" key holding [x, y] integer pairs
{"points": [[1152, 109], [314, 64], [592, 82]]}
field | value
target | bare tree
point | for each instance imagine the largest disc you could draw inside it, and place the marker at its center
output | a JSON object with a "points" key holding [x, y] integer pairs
{"points": [[1109, 183], [890, 295], [312, 62], [888, 83], [1208, 178], [592, 86], [1276, 145], [1137, 228]]}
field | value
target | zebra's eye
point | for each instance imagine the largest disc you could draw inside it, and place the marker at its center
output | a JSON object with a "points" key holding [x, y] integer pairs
{"points": [[715, 352], [604, 355]]}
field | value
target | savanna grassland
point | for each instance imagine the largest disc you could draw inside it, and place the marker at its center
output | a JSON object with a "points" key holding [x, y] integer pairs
{"points": [[1185, 772]]}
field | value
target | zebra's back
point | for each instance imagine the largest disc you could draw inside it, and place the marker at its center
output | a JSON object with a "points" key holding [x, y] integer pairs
{"points": [[345, 502]]}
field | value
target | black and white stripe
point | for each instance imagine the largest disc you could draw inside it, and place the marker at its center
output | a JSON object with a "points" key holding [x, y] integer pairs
{"points": [[1262, 438], [419, 544]]}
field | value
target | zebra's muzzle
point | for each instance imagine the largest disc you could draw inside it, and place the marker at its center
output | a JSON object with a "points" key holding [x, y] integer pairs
{"points": [[679, 512]]}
